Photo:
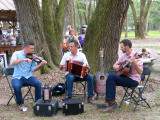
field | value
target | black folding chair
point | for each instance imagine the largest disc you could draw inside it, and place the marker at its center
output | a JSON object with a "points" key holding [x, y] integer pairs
{"points": [[9, 71], [134, 94], [83, 84]]}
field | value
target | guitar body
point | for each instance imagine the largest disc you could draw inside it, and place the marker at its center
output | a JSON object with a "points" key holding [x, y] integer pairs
{"points": [[124, 69], [100, 83]]}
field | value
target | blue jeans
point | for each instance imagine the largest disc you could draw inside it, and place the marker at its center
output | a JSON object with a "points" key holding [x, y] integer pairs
{"points": [[115, 80], [17, 84], [71, 78]]}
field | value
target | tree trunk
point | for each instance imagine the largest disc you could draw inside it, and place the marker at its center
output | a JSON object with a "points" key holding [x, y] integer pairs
{"points": [[139, 25], [146, 25], [126, 34], [80, 14], [55, 20], [74, 14], [29, 16], [104, 31], [89, 11], [72, 19]]}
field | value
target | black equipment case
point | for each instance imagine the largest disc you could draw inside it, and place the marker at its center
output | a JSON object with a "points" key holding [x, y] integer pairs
{"points": [[45, 108], [73, 106]]}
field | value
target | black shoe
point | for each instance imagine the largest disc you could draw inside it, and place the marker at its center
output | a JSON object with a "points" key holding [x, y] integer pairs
{"points": [[64, 99], [90, 99]]}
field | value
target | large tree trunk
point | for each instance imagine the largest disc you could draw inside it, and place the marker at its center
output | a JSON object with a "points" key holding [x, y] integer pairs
{"points": [[104, 31], [89, 11], [31, 25], [126, 34], [55, 19], [75, 25], [139, 25]]}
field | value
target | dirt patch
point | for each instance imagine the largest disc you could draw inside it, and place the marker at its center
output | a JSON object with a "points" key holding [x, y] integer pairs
{"points": [[91, 112]]}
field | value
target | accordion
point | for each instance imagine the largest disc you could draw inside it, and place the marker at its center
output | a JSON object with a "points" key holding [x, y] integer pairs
{"points": [[76, 68]]}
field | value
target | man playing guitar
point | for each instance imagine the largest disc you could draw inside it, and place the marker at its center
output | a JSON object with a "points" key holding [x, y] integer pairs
{"points": [[131, 80], [76, 56]]}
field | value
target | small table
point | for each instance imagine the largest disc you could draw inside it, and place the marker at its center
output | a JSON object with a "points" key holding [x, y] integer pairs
{"points": [[11, 48], [148, 61]]}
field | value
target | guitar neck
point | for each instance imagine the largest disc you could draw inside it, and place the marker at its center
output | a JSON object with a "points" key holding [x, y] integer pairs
{"points": [[102, 70]]}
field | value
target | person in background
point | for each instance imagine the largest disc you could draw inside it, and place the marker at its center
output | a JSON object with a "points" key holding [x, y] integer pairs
{"points": [[80, 31], [82, 36], [65, 44], [146, 53], [72, 37], [1, 34], [18, 42], [8, 35]]}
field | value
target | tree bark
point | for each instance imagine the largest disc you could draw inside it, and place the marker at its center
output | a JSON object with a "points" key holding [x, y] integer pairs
{"points": [[55, 18], [126, 34], [139, 25], [74, 15], [89, 11], [104, 31]]}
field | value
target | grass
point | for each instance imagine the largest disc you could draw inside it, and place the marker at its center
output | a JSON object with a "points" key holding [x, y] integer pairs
{"points": [[153, 47], [132, 33]]}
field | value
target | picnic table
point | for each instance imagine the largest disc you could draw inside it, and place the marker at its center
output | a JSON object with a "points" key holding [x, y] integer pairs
{"points": [[148, 61], [11, 48]]}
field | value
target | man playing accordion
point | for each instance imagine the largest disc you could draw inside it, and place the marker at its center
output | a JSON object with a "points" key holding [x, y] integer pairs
{"points": [[74, 55]]}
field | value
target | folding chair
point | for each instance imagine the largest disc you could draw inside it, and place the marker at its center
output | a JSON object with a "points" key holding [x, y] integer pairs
{"points": [[134, 94], [9, 71], [83, 83]]}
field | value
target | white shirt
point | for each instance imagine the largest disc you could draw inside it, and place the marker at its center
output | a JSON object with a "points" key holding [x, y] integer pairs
{"points": [[78, 57]]}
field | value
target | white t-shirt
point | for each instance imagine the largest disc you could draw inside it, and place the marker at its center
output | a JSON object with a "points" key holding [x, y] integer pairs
{"points": [[78, 57]]}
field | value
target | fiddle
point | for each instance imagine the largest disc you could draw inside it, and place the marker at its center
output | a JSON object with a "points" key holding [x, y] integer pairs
{"points": [[37, 59]]}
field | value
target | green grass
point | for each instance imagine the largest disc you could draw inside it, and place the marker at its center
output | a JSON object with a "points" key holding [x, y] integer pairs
{"points": [[154, 33], [150, 33], [153, 47]]}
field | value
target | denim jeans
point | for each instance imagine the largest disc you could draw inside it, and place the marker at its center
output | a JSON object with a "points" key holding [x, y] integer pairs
{"points": [[115, 80], [71, 78], [17, 84]]}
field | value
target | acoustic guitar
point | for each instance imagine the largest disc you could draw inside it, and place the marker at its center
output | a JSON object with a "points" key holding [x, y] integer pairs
{"points": [[125, 67], [100, 78]]}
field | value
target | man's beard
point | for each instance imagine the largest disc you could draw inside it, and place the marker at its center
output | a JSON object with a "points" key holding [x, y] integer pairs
{"points": [[124, 51]]}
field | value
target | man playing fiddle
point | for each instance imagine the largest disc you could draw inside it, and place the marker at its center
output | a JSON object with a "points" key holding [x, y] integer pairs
{"points": [[22, 73], [76, 56], [131, 80]]}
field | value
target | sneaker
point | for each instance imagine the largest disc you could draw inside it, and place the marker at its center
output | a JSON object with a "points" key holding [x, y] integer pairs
{"points": [[90, 99], [22, 108], [110, 108]]}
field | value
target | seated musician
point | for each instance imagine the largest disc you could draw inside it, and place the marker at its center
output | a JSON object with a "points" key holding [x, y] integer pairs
{"points": [[76, 56], [22, 73], [131, 80]]}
